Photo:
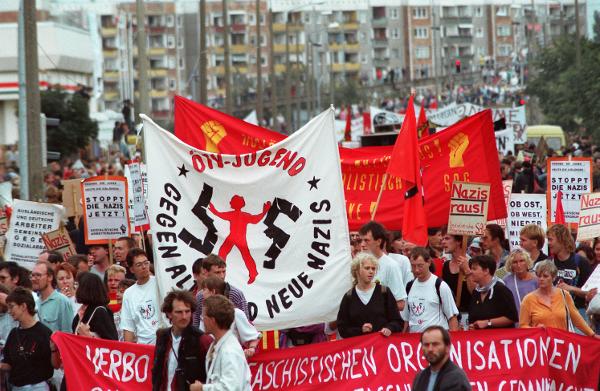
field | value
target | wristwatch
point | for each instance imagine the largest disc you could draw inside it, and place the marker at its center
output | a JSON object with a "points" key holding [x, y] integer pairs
{"points": [[489, 323]]}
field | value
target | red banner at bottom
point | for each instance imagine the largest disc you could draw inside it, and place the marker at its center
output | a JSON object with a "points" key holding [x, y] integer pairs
{"points": [[507, 360], [99, 364]]}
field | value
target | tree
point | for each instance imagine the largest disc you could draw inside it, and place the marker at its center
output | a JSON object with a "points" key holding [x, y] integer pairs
{"points": [[568, 94], [76, 130], [596, 27]]}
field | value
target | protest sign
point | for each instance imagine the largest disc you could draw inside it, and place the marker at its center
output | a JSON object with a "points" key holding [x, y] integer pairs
{"points": [[507, 188], [589, 217], [130, 207], [136, 189], [593, 280], [105, 203], [3, 230], [516, 122], [380, 117], [275, 216], [29, 220], [6, 194], [495, 359], [525, 209], [102, 364], [71, 197], [452, 113], [468, 208], [505, 141], [572, 176], [460, 152], [59, 241]]}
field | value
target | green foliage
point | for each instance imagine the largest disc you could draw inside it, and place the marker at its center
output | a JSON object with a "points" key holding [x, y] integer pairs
{"points": [[349, 92], [568, 94], [76, 129]]}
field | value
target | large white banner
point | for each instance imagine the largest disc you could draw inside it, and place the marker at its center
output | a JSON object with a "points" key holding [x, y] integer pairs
{"points": [[277, 217], [381, 117], [516, 121], [133, 173], [28, 222], [451, 114]]}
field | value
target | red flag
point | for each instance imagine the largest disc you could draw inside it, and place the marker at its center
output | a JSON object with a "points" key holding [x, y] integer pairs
{"points": [[559, 218], [405, 164], [366, 122], [422, 123], [348, 130]]}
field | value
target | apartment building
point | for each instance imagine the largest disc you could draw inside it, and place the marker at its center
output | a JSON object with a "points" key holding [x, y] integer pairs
{"points": [[164, 29]]}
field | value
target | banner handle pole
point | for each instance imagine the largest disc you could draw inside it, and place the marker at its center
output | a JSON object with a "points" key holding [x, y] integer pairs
{"points": [[110, 252], [143, 239], [74, 196], [383, 182], [461, 275]]}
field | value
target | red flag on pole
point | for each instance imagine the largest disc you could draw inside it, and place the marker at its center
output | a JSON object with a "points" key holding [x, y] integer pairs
{"points": [[559, 218], [405, 164], [422, 123], [348, 130]]}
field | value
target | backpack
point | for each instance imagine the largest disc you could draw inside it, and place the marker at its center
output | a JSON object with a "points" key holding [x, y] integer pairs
{"points": [[438, 283]]}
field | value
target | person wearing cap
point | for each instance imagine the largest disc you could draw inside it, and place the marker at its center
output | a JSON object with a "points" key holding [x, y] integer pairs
{"points": [[475, 248]]}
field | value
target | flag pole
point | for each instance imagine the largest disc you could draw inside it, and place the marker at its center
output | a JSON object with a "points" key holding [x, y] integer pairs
{"points": [[383, 182]]}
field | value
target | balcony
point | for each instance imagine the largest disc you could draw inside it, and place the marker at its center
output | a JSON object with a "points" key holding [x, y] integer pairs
{"points": [[348, 26], [159, 94], [108, 31], [111, 76], [460, 38], [280, 68], [346, 67], [157, 73], [380, 42], [379, 22], [381, 62], [346, 47], [111, 96], [238, 49], [109, 53], [157, 51], [280, 48], [292, 27]]}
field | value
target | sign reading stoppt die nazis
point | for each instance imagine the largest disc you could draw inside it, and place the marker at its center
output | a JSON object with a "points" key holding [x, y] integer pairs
{"points": [[468, 208]]}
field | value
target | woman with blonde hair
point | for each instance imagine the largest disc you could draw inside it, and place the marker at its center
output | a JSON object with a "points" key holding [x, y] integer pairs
{"points": [[369, 306], [520, 281], [549, 306]]}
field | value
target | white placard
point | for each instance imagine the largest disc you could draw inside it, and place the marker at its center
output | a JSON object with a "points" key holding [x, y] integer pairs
{"points": [[105, 208], [525, 209], [589, 217], [468, 208], [516, 122], [574, 178], [28, 222], [593, 280], [137, 191]]}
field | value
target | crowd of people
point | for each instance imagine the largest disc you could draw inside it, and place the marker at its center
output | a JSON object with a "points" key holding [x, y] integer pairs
{"points": [[203, 337]]}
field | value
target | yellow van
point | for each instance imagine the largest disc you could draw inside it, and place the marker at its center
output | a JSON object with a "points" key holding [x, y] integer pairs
{"points": [[554, 135]]}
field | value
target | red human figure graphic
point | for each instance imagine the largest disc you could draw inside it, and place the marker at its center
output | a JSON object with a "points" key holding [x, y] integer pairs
{"points": [[238, 226]]}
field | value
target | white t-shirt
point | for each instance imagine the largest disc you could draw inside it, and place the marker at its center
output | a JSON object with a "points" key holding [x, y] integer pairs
{"points": [[243, 330], [364, 296], [389, 274], [423, 305], [172, 366], [140, 311], [404, 266]]}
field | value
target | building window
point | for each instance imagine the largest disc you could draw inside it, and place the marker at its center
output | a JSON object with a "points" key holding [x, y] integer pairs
{"points": [[478, 12], [503, 30], [172, 84], [170, 21], [422, 52], [172, 62], [502, 10], [171, 41], [363, 58], [479, 32], [421, 32], [419, 13], [251, 19], [262, 19], [504, 50], [395, 33], [181, 63], [394, 14], [395, 53]]}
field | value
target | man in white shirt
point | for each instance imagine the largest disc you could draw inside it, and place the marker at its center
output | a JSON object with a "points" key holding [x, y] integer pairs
{"points": [[389, 273], [430, 301], [226, 366], [140, 311]]}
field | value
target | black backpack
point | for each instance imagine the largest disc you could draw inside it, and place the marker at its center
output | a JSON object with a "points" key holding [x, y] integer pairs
{"points": [[438, 283]]}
